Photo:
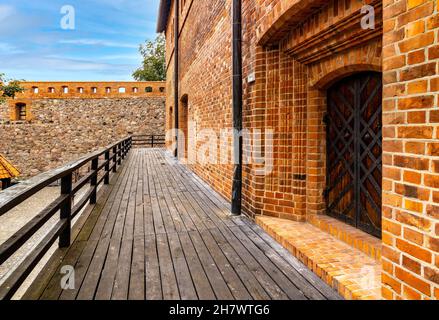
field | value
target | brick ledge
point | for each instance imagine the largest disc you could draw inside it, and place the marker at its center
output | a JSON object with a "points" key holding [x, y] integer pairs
{"points": [[348, 234], [355, 275]]}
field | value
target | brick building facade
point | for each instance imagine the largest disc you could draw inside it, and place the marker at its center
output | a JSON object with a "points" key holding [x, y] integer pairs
{"points": [[353, 109]]}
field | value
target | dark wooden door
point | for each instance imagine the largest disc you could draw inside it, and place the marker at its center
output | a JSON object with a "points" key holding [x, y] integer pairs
{"points": [[354, 151]]}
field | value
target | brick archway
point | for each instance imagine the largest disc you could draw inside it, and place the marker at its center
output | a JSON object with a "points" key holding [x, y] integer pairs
{"points": [[333, 76]]}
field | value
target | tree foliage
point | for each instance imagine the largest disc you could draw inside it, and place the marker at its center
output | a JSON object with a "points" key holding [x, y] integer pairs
{"points": [[154, 62], [8, 88]]}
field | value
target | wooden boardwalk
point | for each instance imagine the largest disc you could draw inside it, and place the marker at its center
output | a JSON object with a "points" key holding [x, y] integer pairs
{"points": [[159, 232]]}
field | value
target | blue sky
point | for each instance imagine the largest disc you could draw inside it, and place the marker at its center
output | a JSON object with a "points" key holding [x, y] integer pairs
{"points": [[103, 46]]}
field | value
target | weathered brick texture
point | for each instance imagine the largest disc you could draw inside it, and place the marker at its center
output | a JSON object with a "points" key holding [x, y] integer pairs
{"points": [[410, 150], [295, 50]]}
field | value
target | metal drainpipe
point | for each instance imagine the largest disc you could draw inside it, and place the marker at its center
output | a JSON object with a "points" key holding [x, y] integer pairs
{"points": [[176, 73], [237, 105]]}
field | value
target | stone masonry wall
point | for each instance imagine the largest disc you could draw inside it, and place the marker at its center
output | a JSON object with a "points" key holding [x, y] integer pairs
{"points": [[61, 130]]}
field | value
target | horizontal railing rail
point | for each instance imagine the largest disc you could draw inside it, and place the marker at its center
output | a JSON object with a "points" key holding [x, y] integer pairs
{"points": [[151, 140], [10, 198]]}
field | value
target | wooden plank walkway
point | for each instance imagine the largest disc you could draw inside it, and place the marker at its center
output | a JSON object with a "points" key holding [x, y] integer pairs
{"points": [[159, 232]]}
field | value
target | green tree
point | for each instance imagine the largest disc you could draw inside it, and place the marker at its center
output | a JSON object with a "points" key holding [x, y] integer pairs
{"points": [[8, 88], [154, 62]]}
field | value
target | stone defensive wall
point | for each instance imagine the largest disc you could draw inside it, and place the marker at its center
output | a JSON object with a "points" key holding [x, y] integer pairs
{"points": [[52, 123]]}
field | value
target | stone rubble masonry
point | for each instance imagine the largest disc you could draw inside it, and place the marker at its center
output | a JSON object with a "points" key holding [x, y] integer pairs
{"points": [[411, 150], [57, 131], [295, 49]]}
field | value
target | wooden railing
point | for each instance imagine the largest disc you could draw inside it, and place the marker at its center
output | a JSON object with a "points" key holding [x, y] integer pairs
{"points": [[151, 141], [9, 199]]}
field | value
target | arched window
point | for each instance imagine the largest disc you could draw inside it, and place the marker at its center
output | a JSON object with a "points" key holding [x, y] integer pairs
{"points": [[107, 90], [135, 90], [162, 89], [51, 90], [122, 90], [65, 89], [35, 90], [80, 90], [148, 89], [94, 90]]}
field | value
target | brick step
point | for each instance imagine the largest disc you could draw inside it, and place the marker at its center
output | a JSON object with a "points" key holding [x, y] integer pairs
{"points": [[348, 234], [350, 271]]}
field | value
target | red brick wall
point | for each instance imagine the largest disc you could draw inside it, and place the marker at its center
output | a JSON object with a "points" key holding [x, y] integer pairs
{"points": [[411, 150], [289, 96], [45, 88], [205, 73]]}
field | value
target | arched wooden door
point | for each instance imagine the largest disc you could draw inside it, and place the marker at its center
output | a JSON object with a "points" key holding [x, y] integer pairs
{"points": [[354, 151]]}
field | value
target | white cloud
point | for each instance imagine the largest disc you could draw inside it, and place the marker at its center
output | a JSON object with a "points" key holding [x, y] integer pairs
{"points": [[6, 11], [98, 42], [121, 57], [124, 4], [6, 48], [68, 64], [55, 63]]}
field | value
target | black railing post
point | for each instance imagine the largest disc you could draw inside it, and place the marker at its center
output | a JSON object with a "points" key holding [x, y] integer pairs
{"points": [[107, 167], [119, 154], [115, 159], [94, 179], [66, 210]]}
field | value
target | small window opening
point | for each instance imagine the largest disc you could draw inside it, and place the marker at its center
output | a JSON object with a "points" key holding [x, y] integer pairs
{"points": [[21, 111]]}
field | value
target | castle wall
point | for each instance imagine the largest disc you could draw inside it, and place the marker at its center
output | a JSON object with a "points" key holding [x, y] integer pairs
{"points": [[57, 130]]}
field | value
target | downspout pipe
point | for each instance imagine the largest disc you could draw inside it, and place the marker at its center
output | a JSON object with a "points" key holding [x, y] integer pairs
{"points": [[237, 105], [176, 73]]}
